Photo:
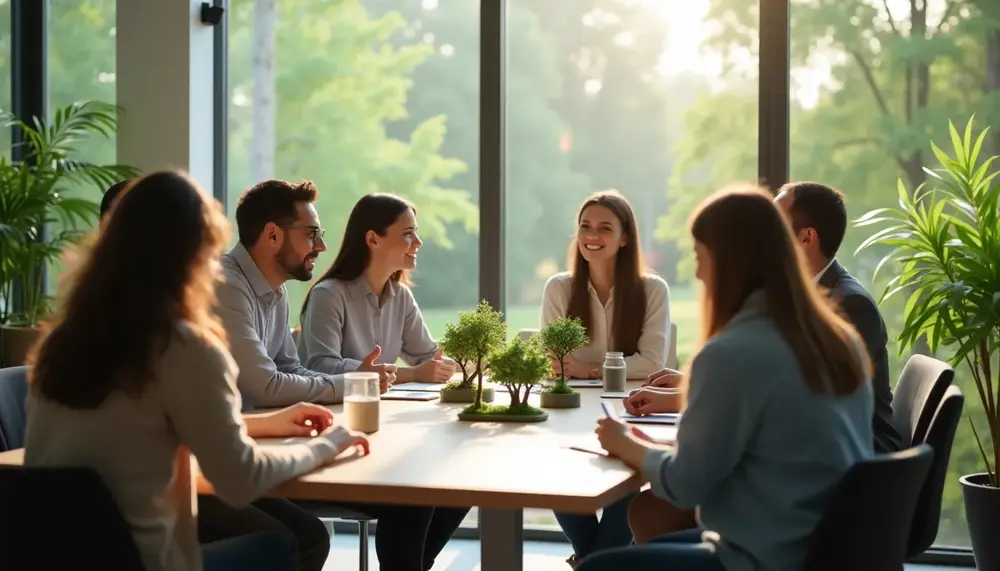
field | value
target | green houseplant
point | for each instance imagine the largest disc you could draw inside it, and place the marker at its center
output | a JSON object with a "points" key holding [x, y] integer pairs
{"points": [[519, 367], [42, 211], [470, 341], [945, 242], [560, 338]]}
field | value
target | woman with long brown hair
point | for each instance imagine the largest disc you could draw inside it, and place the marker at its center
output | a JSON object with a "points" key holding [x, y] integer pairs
{"points": [[779, 403], [625, 309], [133, 375]]}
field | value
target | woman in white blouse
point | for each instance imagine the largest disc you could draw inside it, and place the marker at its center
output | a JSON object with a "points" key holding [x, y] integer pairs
{"points": [[624, 308]]}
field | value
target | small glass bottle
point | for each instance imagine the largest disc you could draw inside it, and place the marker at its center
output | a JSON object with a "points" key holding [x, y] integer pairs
{"points": [[615, 374]]}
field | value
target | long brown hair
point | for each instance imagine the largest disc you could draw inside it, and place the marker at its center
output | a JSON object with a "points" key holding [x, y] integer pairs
{"points": [[630, 293], [151, 268], [375, 212], [752, 248]]}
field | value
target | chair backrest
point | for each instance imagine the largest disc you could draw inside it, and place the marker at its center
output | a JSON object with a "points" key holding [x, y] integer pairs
{"points": [[917, 395], [940, 437], [35, 500], [524, 334], [672, 347], [13, 392], [867, 522]]}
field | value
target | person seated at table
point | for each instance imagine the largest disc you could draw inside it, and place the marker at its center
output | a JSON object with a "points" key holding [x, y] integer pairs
{"points": [[167, 388], [779, 404], [364, 301], [818, 217], [108, 201], [624, 308], [280, 238], [219, 521]]}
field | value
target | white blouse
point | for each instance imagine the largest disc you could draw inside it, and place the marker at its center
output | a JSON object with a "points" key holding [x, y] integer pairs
{"points": [[654, 340]]}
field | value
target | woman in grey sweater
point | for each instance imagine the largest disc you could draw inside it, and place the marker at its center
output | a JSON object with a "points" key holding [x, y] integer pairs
{"points": [[779, 404], [134, 376]]}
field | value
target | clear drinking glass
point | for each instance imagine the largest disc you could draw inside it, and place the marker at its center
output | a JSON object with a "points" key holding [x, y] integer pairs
{"points": [[615, 374], [361, 401]]}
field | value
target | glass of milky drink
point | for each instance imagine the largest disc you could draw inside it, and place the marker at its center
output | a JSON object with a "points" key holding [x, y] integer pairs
{"points": [[614, 372], [361, 401]]}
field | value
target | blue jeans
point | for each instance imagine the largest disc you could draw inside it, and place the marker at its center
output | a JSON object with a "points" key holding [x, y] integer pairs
{"points": [[682, 550], [260, 551], [589, 535]]}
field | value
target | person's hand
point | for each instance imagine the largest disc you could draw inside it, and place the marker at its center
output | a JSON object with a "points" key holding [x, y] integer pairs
{"points": [[302, 419], [618, 439], [641, 402], [641, 435], [437, 369], [386, 373], [358, 440], [666, 377], [574, 369]]}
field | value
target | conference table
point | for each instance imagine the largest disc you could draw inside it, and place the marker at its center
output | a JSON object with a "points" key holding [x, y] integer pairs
{"points": [[423, 455]]}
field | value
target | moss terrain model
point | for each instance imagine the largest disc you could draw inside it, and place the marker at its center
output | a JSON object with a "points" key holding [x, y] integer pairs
{"points": [[470, 342], [519, 367], [560, 338]]}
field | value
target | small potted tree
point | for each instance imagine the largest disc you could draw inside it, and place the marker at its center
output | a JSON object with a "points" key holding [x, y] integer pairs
{"points": [[519, 367], [944, 246], [470, 342], [560, 338]]}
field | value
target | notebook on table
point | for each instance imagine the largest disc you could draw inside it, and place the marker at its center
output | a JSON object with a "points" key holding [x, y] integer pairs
{"points": [[410, 395], [664, 418]]}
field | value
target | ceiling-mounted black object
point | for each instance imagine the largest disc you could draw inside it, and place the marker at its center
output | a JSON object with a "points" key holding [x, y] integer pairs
{"points": [[211, 13]]}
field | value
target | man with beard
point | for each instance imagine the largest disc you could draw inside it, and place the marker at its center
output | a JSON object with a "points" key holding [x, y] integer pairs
{"points": [[279, 239]]}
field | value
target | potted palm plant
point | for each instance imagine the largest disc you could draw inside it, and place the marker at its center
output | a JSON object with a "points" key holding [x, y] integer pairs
{"points": [[944, 241], [43, 209]]}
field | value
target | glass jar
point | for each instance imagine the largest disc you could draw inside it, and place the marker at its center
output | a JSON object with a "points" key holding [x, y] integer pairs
{"points": [[615, 373], [361, 401]]}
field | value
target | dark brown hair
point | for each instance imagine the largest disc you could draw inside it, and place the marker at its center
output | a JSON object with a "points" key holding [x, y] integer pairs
{"points": [[752, 248], [375, 212], [821, 208], [630, 292], [150, 269], [270, 201]]}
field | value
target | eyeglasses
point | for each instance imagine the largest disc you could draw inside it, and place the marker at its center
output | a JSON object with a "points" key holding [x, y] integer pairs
{"points": [[315, 234]]}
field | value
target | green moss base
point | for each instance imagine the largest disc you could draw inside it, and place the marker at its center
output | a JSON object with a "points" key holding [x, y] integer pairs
{"points": [[503, 413]]}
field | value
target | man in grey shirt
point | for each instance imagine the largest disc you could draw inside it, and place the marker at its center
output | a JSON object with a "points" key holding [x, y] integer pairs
{"points": [[279, 239]]}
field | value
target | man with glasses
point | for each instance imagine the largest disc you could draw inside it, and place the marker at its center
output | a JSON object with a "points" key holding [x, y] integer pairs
{"points": [[279, 239]]}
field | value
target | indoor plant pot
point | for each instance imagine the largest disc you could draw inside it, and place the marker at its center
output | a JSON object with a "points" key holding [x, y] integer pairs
{"points": [[518, 367], [945, 247], [982, 514], [560, 400], [455, 394], [15, 342]]}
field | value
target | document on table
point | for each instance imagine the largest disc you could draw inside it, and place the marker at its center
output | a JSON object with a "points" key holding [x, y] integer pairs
{"points": [[418, 387], [410, 395], [666, 418], [614, 395]]}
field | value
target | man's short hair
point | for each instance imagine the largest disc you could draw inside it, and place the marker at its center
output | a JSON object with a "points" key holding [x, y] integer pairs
{"points": [[111, 195], [821, 208], [270, 201]]}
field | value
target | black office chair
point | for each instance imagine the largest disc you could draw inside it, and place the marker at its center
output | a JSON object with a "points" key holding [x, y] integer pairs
{"points": [[917, 395], [33, 502], [13, 391], [940, 437], [868, 521]]}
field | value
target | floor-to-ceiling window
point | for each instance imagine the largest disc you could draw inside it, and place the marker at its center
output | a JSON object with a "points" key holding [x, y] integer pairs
{"points": [[873, 83], [657, 100], [365, 96]]}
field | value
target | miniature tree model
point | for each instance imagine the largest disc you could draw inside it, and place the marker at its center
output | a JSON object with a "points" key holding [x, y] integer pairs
{"points": [[472, 340], [521, 366], [562, 337]]}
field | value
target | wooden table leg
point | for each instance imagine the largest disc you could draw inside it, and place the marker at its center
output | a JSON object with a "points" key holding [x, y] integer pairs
{"points": [[501, 537]]}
